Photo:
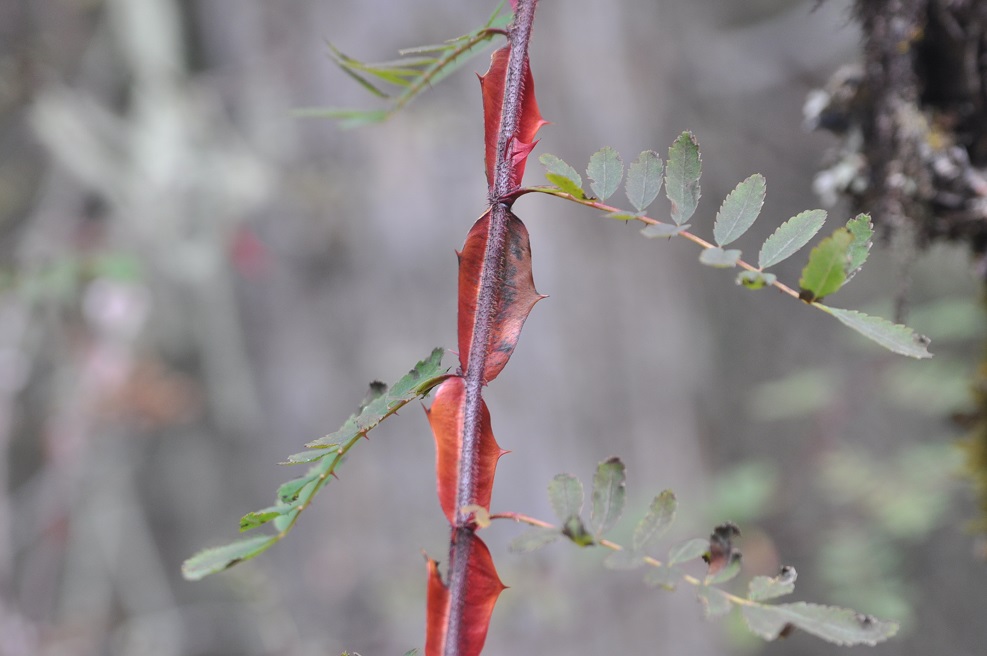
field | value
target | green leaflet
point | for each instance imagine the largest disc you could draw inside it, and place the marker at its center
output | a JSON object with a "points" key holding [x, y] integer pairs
{"points": [[826, 270], [756, 279], [762, 588], [606, 170], [687, 551], [739, 210], [715, 602], [660, 515], [643, 180], [609, 494], [562, 175], [840, 626], [894, 337], [862, 230], [210, 561], [533, 539], [790, 236], [719, 258], [653, 230], [565, 493], [682, 177]]}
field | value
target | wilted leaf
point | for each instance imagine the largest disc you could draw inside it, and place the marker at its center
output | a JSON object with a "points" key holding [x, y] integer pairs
{"points": [[217, 559], [643, 180], [894, 337], [565, 493], [514, 293], [492, 87], [719, 258], [841, 626], [739, 210], [790, 236], [653, 230], [756, 279], [475, 609], [862, 230], [605, 169], [826, 270], [447, 419], [609, 493], [682, 177], [656, 522], [562, 175], [721, 550], [762, 588], [533, 539], [715, 602], [694, 548]]}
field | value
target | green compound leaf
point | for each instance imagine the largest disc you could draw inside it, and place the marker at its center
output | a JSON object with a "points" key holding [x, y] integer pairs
{"points": [[719, 258], [295, 495], [562, 175], [756, 279], [687, 551], [565, 493], [682, 177], [863, 231], [762, 588], [715, 602], [217, 559], [790, 236], [609, 494], [660, 515], [894, 337], [605, 169], [739, 210], [533, 539], [653, 230], [644, 180], [840, 626], [826, 270]]}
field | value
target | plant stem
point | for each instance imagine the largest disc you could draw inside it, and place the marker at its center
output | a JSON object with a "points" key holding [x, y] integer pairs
{"points": [[491, 273]]}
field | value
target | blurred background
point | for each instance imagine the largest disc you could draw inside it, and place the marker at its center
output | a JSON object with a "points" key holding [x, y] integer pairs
{"points": [[194, 283]]}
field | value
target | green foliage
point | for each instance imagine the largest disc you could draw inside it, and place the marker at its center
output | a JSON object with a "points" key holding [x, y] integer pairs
{"points": [[826, 271], [326, 454], [769, 621], [562, 175], [565, 493], [644, 180], [719, 258], [609, 494], [682, 177], [739, 210], [894, 337], [418, 69], [605, 169], [790, 237], [831, 263]]}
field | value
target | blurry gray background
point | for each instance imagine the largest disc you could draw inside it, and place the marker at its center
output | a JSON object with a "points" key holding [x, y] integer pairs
{"points": [[194, 283]]}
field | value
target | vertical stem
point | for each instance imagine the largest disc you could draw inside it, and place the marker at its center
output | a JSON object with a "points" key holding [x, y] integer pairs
{"points": [[493, 262]]}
